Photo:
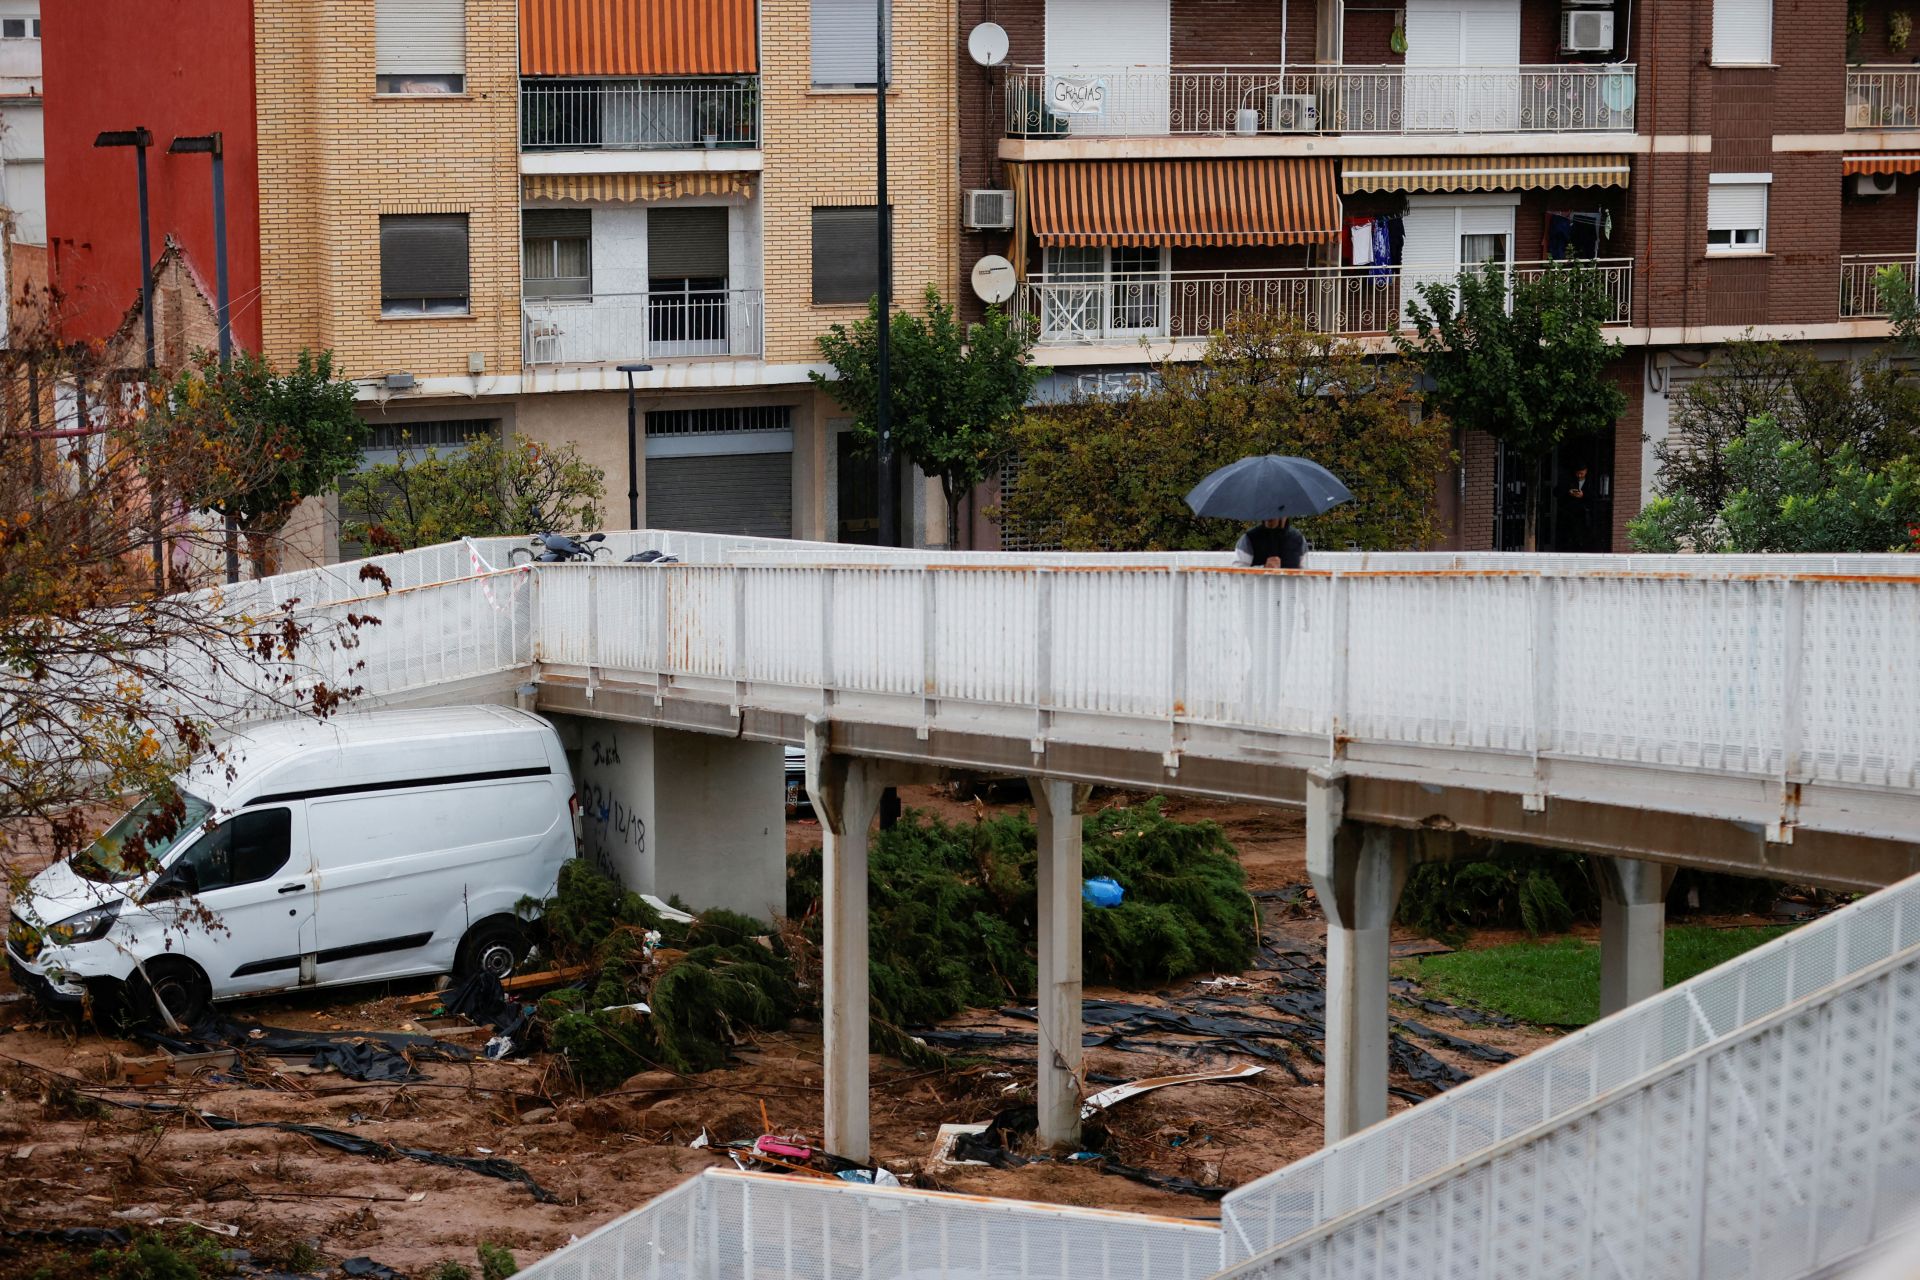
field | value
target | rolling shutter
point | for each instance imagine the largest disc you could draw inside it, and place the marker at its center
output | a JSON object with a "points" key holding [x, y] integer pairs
{"points": [[420, 37], [423, 255], [1742, 32], [1734, 206], [556, 224], [687, 244], [842, 39], [846, 254], [1098, 40], [749, 493]]}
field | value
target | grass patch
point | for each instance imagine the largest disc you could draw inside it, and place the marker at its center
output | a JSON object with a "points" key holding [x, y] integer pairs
{"points": [[1556, 983]]}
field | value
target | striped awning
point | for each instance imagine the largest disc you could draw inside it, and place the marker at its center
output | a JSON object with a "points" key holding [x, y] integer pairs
{"points": [[1183, 203], [595, 188], [1883, 162], [637, 38], [1480, 172]]}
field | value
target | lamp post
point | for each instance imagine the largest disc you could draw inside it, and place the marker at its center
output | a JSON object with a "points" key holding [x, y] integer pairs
{"points": [[211, 144], [883, 356], [633, 444], [140, 139]]}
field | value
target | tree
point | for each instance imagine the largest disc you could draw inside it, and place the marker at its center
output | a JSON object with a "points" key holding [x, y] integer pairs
{"points": [[113, 675], [1782, 495], [1523, 360], [956, 393], [300, 427], [488, 487], [1113, 473], [1865, 407]]}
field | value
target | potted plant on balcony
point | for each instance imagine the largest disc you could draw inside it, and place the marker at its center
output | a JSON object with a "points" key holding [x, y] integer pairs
{"points": [[1899, 30]]}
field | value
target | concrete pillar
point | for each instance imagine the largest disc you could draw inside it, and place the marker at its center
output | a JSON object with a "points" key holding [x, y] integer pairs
{"points": [[1057, 807], [846, 795], [614, 776], [1357, 872], [720, 811], [1329, 31], [1633, 931]]}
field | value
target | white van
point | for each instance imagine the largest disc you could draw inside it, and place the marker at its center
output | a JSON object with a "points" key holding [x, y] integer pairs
{"points": [[369, 846]]}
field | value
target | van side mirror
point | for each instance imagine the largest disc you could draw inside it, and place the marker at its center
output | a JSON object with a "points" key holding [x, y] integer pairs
{"points": [[181, 881]]}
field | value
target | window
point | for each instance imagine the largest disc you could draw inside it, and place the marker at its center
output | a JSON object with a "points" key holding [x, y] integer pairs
{"points": [[14, 28], [420, 46], [1742, 32], [1091, 291], [846, 254], [1737, 212], [423, 264], [244, 849], [556, 253], [687, 280], [844, 33]]}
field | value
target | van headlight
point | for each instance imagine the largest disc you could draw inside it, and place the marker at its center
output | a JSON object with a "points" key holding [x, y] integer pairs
{"points": [[85, 927]]}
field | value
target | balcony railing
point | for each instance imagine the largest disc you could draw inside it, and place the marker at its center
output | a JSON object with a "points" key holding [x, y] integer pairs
{"points": [[611, 328], [1141, 101], [1859, 294], [1883, 97], [1195, 305], [639, 115]]}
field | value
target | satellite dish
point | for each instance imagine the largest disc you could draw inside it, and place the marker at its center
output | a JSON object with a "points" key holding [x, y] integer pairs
{"points": [[987, 44], [993, 279]]}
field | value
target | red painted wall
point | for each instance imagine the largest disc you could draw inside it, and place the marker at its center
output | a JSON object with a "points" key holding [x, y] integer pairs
{"points": [[177, 67]]}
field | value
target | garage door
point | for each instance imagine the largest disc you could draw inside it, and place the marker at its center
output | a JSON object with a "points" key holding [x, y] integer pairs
{"points": [[723, 470]]}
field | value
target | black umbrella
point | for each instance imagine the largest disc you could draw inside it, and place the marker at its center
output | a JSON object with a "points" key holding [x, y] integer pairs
{"points": [[1266, 488]]}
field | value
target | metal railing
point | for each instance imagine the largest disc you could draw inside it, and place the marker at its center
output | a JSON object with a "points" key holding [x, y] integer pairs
{"points": [[662, 324], [1148, 101], [639, 115], [1883, 97], [1192, 305], [1859, 288]]}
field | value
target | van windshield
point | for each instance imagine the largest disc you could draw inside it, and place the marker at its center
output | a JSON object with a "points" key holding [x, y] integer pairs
{"points": [[118, 855]]}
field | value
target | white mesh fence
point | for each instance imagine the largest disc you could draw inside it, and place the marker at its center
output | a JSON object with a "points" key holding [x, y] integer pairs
{"points": [[1570, 1075], [724, 1225]]}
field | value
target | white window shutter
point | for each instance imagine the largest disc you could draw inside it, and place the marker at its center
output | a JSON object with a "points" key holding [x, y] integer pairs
{"points": [[420, 37], [842, 39], [1731, 206], [1742, 31]]}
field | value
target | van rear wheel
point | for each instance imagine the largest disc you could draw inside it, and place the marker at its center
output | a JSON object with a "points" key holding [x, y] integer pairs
{"points": [[176, 981], [497, 946]]}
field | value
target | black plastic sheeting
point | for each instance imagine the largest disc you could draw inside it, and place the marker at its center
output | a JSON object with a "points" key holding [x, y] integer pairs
{"points": [[994, 1147], [383, 1056], [369, 1269], [481, 999], [77, 1237], [353, 1144]]}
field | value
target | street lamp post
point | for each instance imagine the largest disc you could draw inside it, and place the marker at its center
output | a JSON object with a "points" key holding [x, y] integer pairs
{"points": [[633, 444], [211, 144], [140, 139], [883, 356]]}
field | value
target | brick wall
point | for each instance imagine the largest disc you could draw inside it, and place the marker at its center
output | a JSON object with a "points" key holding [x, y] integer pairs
{"points": [[334, 157], [1874, 45], [1880, 224], [819, 149], [1233, 31]]}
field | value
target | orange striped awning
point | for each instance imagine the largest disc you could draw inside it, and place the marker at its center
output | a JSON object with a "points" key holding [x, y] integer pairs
{"points": [[1183, 203], [625, 188], [1481, 172], [1885, 162], [637, 38]]}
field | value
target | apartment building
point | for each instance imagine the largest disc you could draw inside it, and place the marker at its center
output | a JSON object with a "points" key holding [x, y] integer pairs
{"points": [[486, 208], [23, 189], [1725, 165]]}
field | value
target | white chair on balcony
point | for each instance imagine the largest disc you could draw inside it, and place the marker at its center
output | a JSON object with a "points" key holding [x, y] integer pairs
{"points": [[543, 341]]}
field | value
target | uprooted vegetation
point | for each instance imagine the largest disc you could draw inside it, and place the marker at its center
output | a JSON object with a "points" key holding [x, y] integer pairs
{"points": [[953, 924]]}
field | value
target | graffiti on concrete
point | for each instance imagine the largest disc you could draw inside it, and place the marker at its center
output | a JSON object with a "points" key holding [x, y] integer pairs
{"points": [[616, 834]]}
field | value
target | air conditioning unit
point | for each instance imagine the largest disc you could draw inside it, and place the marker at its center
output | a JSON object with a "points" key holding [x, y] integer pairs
{"points": [[1293, 112], [1875, 184], [988, 210], [1586, 31]]}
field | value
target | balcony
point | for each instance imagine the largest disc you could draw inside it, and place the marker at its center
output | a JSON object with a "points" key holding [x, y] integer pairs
{"points": [[1883, 97], [1859, 297], [640, 115], [1143, 101], [622, 327], [1191, 306]]}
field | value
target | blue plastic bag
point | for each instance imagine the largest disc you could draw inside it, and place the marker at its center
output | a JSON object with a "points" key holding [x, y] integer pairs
{"points": [[1102, 891]]}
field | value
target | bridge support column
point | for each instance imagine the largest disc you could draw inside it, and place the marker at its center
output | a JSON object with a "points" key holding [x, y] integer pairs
{"points": [[1357, 871], [846, 795], [1633, 931], [1057, 805]]}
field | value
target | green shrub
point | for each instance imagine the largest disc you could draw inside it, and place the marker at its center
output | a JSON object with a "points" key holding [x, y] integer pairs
{"points": [[495, 1262], [1511, 887]]}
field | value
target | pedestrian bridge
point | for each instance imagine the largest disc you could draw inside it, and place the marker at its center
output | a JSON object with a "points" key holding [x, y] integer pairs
{"points": [[1758, 715]]}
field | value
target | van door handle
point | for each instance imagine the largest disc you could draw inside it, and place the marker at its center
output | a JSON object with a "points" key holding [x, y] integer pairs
{"points": [[294, 887]]}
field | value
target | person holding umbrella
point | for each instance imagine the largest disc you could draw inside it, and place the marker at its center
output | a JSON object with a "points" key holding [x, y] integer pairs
{"points": [[1271, 490]]}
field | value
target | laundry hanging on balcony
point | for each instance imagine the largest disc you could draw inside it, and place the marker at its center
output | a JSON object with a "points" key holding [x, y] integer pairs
{"points": [[626, 188], [637, 38], [1480, 173], [1183, 203], [1885, 162]]}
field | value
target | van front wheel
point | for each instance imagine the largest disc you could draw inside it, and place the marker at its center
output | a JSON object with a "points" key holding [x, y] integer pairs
{"points": [[496, 946], [176, 981]]}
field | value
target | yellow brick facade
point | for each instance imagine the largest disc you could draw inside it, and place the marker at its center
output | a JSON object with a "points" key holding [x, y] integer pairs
{"points": [[819, 151], [334, 157]]}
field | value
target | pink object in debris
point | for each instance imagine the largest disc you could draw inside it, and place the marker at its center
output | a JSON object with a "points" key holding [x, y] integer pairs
{"points": [[780, 1149]]}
